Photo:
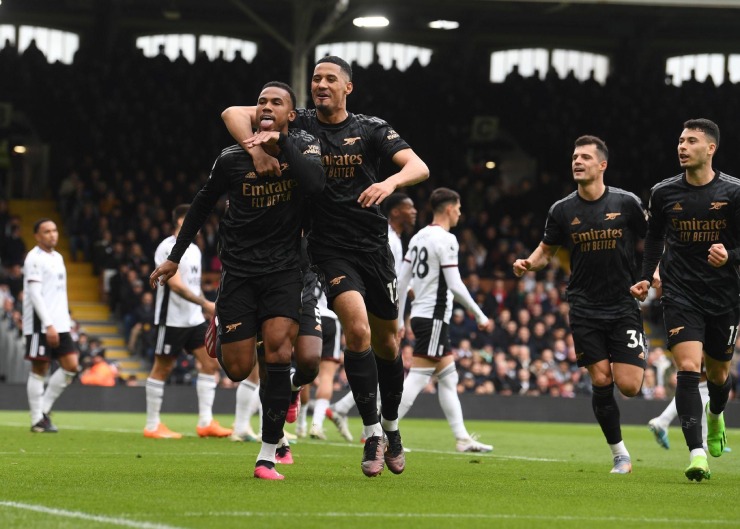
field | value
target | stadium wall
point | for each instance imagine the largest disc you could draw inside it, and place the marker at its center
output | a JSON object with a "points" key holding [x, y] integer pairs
{"points": [[183, 399]]}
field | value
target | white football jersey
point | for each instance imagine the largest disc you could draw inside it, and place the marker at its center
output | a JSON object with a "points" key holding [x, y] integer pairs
{"points": [[430, 250], [394, 241], [177, 311], [48, 269]]}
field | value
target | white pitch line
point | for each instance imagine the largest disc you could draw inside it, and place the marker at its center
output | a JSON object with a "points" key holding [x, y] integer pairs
{"points": [[338, 445], [85, 516], [482, 516], [85, 429]]}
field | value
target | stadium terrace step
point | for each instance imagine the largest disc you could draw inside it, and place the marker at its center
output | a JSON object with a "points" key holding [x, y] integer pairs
{"points": [[82, 282], [101, 329], [78, 268], [117, 353], [654, 336], [113, 341], [83, 295], [129, 365], [89, 311]]}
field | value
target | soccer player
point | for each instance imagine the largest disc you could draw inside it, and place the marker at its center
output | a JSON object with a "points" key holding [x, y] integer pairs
{"points": [[600, 225], [694, 233], [348, 242], [260, 236], [46, 325], [401, 213], [659, 425], [179, 317], [247, 404], [331, 356], [309, 344], [430, 269]]}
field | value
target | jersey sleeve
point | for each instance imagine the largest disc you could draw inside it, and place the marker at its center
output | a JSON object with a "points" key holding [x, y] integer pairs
{"points": [[32, 268], [554, 233], [303, 119], [448, 250], [638, 215], [734, 253], [163, 250], [201, 207], [384, 140], [303, 152], [655, 237]]}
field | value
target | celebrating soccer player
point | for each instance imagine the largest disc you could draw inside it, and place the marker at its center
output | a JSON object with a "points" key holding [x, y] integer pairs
{"points": [[694, 232], [600, 225]]}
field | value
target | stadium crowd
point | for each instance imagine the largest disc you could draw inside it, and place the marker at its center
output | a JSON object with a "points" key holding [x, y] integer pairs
{"points": [[117, 173]]}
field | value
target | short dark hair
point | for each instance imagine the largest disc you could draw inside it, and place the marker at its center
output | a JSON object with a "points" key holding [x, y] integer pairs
{"points": [[587, 139], [179, 212], [283, 86], [39, 222], [442, 196], [708, 127], [343, 65], [393, 201]]}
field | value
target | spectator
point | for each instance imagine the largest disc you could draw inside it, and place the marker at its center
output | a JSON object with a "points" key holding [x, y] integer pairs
{"points": [[99, 372]]}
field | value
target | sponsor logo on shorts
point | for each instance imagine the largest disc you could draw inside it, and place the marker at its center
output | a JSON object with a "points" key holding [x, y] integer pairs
{"points": [[575, 222], [232, 327], [717, 205], [335, 282], [611, 216], [641, 356], [351, 141], [675, 331], [317, 328]]}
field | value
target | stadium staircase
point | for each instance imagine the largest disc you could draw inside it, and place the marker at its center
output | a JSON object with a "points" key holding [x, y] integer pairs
{"points": [[83, 289]]}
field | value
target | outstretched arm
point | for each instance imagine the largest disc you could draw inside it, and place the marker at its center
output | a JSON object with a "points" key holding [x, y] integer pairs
{"points": [[654, 245], [412, 171], [179, 288], [539, 259], [458, 288], [404, 279]]}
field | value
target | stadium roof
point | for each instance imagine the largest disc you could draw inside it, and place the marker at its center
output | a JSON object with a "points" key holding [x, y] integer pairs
{"points": [[664, 26]]}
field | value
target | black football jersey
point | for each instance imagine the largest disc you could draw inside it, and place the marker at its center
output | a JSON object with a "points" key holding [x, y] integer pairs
{"points": [[601, 236], [691, 219], [351, 153], [260, 232]]}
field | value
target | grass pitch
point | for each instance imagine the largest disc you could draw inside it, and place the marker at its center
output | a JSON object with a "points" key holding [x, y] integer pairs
{"points": [[99, 471]]}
